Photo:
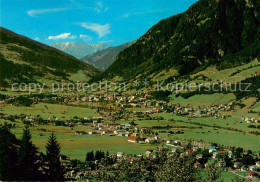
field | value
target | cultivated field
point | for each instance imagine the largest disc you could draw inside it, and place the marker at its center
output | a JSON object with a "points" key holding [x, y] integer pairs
{"points": [[76, 146], [50, 110]]}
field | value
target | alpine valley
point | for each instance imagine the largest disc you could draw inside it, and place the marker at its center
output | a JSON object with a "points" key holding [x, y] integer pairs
{"points": [[180, 103]]}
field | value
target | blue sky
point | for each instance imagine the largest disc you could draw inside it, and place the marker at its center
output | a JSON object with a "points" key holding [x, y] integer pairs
{"points": [[110, 21]]}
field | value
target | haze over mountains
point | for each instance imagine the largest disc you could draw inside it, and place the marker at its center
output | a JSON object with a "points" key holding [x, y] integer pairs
{"points": [[79, 49], [104, 58], [26, 60], [224, 33]]}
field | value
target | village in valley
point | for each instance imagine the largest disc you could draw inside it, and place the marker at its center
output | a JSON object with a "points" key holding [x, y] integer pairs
{"points": [[138, 118], [158, 90]]}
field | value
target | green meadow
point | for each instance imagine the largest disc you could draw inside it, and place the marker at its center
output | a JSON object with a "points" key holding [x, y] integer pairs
{"points": [[50, 110], [256, 107], [242, 72], [205, 99], [76, 146], [223, 137], [210, 134], [228, 176]]}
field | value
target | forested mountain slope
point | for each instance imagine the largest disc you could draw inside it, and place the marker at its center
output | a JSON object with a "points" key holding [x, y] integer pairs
{"points": [[224, 33]]}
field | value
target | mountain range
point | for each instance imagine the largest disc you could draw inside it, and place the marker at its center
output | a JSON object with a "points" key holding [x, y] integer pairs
{"points": [[224, 33], [26, 60], [220, 33], [104, 58], [79, 49]]}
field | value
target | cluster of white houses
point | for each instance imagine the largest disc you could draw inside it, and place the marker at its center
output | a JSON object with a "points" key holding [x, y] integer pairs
{"points": [[133, 134], [204, 111], [143, 99], [216, 154], [251, 120]]}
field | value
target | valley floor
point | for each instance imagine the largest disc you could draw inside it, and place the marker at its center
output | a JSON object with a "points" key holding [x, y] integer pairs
{"points": [[87, 126]]}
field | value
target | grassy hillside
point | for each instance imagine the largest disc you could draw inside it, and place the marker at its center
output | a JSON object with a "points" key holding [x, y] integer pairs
{"points": [[25, 60]]}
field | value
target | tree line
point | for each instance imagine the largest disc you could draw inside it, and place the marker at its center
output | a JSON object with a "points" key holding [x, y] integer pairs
{"points": [[20, 159]]}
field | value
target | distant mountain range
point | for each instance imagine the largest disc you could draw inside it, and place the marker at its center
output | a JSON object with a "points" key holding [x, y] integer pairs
{"points": [[79, 49], [224, 33], [26, 60], [104, 58]]}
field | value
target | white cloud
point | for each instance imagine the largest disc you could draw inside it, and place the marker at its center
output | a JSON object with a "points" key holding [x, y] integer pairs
{"points": [[100, 7], [41, 11], [99, 4], [126, 15], [101, 30], [62, 36], [85, 37], [37, 38]]}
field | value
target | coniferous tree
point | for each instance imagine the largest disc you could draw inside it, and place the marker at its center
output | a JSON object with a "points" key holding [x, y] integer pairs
{"points": [[99, 155], [27, 162], [90, 156], [107, 154], [8, 154], [54, 169]]}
